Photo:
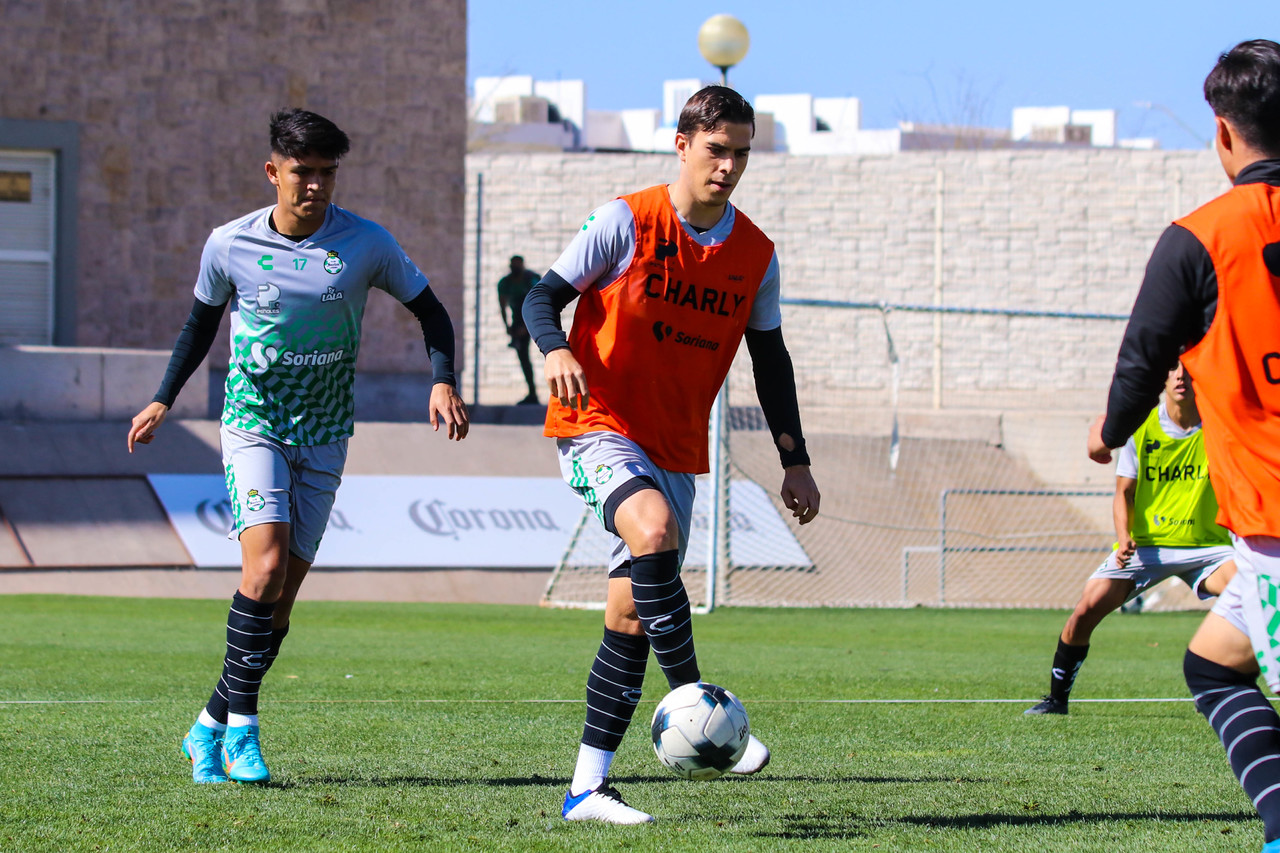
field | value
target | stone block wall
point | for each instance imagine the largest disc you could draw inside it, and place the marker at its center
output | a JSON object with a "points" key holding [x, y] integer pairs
{"points": [[172, 100], [1046, 230]]}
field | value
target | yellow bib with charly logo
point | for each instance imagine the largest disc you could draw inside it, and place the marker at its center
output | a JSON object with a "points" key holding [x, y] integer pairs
{"points": [[1174, 504]]}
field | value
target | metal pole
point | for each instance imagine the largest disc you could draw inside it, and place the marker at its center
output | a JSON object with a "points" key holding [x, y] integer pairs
{"points": [[937, 294], [942, 547], [475, 361], [718, 520]]}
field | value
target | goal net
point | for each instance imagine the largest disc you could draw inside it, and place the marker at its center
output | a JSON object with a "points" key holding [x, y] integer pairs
{"points": [[949, 449]]}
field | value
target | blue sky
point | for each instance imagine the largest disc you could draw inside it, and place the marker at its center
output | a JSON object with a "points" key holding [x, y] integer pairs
{"points": [[930, 62]]}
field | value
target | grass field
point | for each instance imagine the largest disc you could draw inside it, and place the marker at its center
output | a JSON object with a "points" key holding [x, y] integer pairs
{"points": [[411, 727]]}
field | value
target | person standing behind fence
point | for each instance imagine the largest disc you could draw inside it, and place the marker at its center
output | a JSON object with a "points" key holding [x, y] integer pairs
{"points": [[512, 289], [1212, 288], [1164, 511]]}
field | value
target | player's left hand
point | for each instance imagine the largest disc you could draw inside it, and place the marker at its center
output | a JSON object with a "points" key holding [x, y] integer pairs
{"points": [[800, 493], [446, 405], [1098, 450]]}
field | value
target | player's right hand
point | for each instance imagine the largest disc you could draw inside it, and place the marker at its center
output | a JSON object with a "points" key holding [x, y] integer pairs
{"points": [[145, 424], [566, 378], [1098, 450], [1125, 553]]}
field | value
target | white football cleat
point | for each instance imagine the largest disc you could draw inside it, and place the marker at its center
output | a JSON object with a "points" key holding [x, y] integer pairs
{"points": [[603, 804], [753, 760]]}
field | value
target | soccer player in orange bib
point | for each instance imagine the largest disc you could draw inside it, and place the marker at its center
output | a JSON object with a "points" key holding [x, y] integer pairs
{"points": [[669, 281], [1213, 287]]}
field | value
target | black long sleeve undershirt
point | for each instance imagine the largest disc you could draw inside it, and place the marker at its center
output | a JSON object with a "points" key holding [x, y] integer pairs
{"points": [[437, 334], [776, 390], [192, 346], [1173, 310], [542, 309]]}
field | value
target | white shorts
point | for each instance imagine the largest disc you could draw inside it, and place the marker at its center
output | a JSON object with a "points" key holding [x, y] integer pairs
{"points": [[269, 481], [1151, 564], [1250, 601], [605, 469]]}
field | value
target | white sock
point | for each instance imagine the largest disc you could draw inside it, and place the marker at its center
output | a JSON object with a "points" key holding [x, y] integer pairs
{"points": [[236, 721], [209, 722], [592, 769]]}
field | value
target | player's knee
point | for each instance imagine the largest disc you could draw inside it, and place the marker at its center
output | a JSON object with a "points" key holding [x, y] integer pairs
{"points": [[653, 535]]}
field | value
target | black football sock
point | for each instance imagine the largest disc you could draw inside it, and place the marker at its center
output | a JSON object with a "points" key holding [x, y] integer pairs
{"points": [[249, 643], [277, 639], [663, 607], [1067, 661], [613, 688], [1248, 727]]}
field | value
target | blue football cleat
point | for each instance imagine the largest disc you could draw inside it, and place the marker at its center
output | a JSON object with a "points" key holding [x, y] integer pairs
{"points": [[203, 748], [242, 755], [1271, 846]]}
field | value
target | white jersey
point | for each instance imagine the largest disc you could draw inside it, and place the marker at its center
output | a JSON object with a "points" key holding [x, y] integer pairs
{"points": [[602, 250], [295, 322]]}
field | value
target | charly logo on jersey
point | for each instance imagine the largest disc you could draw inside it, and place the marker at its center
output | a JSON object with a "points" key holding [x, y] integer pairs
{"points": [[268, 299], [710, 300], [332, 295], [664, 332], [332, 263], [254, 501], [264, 356]]}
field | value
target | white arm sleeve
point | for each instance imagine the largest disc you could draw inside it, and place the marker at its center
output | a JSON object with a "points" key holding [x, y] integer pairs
{"points": [[766, 312], [213, 287], [1127, 461], [602, 249]]}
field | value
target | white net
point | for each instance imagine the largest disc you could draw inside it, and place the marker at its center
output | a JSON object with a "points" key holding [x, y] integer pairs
{"points": [[949, 448]]}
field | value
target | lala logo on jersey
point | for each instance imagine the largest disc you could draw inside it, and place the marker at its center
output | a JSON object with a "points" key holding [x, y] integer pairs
{"points": [[332, 295], [332, 263], [268, 299]]}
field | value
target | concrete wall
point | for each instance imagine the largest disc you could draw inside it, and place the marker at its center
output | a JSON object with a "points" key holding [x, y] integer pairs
{"points": [[90, 383], [1046, 230], [172, 102]]}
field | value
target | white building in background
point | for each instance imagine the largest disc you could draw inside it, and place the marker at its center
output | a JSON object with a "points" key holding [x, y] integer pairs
{"points": [[520, 113]]}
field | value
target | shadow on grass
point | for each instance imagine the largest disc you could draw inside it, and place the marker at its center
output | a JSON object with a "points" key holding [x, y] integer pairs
{"points": [[827, 826], [562, 781]]}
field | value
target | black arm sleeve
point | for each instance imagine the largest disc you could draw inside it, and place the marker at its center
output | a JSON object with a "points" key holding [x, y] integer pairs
{"points": [[542, 309], [776, 390], [437, 334], [190, 349], [1174, 308]]}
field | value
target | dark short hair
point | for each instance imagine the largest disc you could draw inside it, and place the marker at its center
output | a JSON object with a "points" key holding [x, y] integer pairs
{"points": [[1244, 89], [713, 106], [515, 258], [298, 133]]}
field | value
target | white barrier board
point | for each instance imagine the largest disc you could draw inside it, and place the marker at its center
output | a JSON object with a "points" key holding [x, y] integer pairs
{"points": [[458, 522]]}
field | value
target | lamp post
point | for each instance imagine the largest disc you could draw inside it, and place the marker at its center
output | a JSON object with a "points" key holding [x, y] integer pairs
{"points": [[723, 41]]}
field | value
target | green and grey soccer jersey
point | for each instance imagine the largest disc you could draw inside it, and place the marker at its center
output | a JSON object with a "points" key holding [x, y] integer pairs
{"points": [[295, 322]]}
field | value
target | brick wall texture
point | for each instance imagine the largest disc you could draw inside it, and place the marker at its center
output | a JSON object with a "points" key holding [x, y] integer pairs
{"points": [[173, 99], [1048, 230]]}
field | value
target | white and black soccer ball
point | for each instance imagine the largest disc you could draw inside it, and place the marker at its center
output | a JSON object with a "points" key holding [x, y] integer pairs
{"points": [[700, 731]]}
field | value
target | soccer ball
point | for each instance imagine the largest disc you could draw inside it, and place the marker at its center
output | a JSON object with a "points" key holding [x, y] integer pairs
{"points": [[700, 731]]}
